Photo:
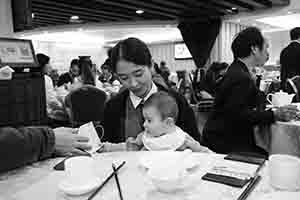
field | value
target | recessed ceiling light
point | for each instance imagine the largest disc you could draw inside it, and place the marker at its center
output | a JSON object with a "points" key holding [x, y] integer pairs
{"points": [[139, 12], [74, 17], [32, 15], [233, 8]]}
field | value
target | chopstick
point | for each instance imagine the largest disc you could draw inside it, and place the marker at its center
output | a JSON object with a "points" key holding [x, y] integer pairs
{"points": [[253, 182], [117, 180], [106, 180]]}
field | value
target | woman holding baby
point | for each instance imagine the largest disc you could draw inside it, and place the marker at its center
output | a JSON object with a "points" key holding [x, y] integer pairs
{"points": [[125, 119]]}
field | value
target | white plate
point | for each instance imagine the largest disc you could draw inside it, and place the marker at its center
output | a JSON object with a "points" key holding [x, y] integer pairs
{"points": [[71, 189], [280, 196]]}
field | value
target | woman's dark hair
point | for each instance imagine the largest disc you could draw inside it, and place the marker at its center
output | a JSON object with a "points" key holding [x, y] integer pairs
{"points": [[106, 65], [42, 60], [86, 73], [295, 33], [132, 50], [245, 40], [74, 62], [156, 68]]}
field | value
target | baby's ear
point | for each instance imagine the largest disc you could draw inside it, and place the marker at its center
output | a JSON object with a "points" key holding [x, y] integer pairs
{"points": [[170, 121]]}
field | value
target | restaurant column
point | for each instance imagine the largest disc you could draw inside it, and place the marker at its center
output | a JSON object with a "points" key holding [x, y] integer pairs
{"points": [[6, 21]]}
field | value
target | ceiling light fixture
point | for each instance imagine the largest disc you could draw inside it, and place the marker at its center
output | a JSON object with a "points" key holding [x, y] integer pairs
{"points": [[139, 12], [290, 12], [74, 17], [233, 8], [32, 15]]}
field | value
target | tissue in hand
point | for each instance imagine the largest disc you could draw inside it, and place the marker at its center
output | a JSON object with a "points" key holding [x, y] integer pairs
{"points": [[6, 73]]}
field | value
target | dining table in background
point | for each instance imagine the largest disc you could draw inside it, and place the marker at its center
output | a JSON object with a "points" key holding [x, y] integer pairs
{"points": [[40, 181]]}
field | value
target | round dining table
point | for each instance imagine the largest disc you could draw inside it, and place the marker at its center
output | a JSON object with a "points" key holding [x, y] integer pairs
{"points": [[40, 181]]}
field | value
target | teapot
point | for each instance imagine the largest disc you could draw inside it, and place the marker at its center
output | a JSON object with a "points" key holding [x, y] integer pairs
{"points": [[280, 98]]}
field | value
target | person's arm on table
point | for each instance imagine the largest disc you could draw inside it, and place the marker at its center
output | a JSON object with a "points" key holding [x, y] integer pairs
{"points": [[22, 146]]}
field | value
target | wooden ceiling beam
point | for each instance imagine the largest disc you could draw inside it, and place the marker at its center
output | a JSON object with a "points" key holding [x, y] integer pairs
{"points": [[46, 21], [170, 3], [116, 16], [280, 2], [184, 8], [241, 4], [125, 5], [61, 11], [266, 3], [58, 13], [233, 5], [253, 3], [145, 4], [206, 5], [50, 19]]}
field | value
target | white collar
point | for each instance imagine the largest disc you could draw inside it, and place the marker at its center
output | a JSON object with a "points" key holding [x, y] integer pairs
{"points": [[295, 41], [136, 100]]}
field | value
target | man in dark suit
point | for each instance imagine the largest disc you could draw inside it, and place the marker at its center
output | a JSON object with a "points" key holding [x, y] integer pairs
{"points": [[239, 105], [290, 58]]}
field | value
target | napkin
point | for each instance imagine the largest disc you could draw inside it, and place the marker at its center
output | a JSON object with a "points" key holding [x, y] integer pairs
{"points": [[6, 73], [88, 130]]}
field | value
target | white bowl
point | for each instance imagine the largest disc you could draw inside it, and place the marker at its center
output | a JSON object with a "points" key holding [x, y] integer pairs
{"points": [[170, 171], [167, 184]]}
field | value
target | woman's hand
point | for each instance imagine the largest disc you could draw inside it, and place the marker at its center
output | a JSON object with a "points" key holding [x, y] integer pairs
{"points": [[195, 146], [286, 113], [67, 143]]}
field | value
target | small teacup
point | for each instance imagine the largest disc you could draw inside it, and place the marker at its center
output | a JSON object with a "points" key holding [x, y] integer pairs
{"points": [[79, 170], [284, 171]]}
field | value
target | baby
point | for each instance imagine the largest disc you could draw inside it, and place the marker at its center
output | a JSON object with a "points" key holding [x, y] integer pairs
{"points": [[160, 112]]}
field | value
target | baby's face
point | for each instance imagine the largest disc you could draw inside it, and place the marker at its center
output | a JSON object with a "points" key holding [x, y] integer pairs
{"points": [[154, 124]]}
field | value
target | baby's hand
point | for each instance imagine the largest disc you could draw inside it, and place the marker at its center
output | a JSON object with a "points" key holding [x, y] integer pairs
{"points": [[195, 146], [132, 144]]}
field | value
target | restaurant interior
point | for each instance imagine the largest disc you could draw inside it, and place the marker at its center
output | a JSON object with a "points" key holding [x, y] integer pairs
{"points": [[186, 39]]}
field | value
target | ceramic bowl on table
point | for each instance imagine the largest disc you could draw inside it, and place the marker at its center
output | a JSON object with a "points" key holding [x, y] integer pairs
{"points": [[170, 171]]}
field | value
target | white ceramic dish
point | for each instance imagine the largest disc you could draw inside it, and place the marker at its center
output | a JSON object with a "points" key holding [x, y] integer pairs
{"points": [[280, 196], [75, 190], [170, 171]]}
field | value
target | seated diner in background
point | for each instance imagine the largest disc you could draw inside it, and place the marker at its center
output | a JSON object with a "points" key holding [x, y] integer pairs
{"points": [[239, 105], [68, 77], [132, 62], [86, 76], [52, 102]]}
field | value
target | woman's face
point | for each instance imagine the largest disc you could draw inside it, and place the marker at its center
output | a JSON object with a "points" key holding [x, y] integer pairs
{"points": [[47, 68], [137, 78]]}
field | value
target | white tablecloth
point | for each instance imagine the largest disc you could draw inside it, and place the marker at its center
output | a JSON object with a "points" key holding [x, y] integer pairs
{"points": [[40, 181]]}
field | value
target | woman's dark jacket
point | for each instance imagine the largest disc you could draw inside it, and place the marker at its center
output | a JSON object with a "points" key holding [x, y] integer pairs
{"points": [[114, 116]]}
